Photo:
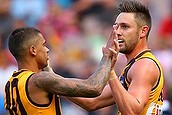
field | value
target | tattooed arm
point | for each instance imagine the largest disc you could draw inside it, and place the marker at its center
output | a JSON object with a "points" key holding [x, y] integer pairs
{"points": [[90, 87]]}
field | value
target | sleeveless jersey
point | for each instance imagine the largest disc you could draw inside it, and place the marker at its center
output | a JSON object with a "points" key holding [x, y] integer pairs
{"points": [[18, 102], [154, 104]]}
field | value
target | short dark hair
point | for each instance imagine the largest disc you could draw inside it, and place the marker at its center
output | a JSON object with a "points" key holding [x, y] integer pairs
{"points": [[141, 12], [20, 39]]}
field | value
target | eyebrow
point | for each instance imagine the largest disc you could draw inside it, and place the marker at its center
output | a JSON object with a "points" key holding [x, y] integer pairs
{"points": [[118, 24]]}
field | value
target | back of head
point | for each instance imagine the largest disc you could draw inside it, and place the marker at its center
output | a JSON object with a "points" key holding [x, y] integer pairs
{"points": [[20, 40], [142, 15]]}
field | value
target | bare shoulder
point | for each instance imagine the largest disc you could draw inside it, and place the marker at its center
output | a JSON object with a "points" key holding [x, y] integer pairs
{"points": [[35, 93], [37, 79], [143, 76], [44, 79], [144, 70]]}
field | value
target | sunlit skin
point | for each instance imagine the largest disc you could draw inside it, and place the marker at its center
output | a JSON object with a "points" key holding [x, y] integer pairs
{"points": [[39, 51], [43, 83], [145, 78], [132, 41], [42, 52], [130, 34]]}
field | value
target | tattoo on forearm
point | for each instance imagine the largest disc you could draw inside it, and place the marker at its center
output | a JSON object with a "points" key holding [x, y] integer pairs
{"points": [[75, 87]]}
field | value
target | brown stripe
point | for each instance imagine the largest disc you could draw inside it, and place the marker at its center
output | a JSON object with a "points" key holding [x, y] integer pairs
{"points": [[57, 103], [17, 73], [21, 108], [7, 93]]}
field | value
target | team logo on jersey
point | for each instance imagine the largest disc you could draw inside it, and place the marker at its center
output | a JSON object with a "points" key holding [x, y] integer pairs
{"points": [[154, 109], [122, 78]]}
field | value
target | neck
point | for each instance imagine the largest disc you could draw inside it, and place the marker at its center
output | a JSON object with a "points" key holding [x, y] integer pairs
{"points": [[140, 47], [28, 64], [135, 52]]}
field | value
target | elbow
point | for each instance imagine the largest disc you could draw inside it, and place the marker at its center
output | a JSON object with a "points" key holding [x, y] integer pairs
{"points": [[90, 109], [90, 106]]}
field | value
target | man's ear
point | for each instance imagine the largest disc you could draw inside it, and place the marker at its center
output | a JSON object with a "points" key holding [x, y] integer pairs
{"points": [[32, 50], [144, 31]]}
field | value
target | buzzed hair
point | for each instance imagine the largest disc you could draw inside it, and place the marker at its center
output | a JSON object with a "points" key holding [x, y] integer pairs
{"points": [[141, 12], [20, 40]]}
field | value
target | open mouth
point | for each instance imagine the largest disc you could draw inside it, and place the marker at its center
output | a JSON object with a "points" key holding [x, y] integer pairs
{"points": [[120, 41]]}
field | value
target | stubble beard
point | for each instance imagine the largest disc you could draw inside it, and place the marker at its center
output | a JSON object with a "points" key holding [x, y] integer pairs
{"points": [[125, 50]]}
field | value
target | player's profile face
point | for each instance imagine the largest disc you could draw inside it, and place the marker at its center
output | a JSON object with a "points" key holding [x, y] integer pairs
{"points": [[42, 52]]}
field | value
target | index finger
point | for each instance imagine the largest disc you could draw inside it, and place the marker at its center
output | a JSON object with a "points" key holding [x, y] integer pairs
{"points": [[115, 27], [110, 40]]}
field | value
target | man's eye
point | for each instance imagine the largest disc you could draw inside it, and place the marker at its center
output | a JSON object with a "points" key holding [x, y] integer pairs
{"points": [[125, 27]]}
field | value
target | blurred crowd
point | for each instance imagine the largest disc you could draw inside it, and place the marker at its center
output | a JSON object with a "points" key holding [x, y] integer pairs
{"points": [[75, 31]]}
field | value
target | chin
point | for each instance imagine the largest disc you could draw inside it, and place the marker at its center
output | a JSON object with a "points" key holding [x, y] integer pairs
{"points": [[46, 65], [122, 51]]}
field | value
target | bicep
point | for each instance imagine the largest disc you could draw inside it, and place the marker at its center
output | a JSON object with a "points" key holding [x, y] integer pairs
{"points": [[140, 90], [144, 75], [53, 83]]}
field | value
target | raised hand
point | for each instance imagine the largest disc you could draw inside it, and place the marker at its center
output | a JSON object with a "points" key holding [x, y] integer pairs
{"points": [[112, 47], [109, 44], [115, 47]]}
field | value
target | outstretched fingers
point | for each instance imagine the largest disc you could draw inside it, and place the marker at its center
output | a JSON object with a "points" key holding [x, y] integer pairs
{"points": [[113, 51], [110, 44], [115, 47]]}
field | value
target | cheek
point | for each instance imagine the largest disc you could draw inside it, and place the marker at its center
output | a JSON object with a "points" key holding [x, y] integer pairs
{"points": [[42, 55], [132, 38], [43, 51], [41, 60]]}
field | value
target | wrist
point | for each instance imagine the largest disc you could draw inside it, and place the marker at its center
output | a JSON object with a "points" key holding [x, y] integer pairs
{"points": [[112, 75], [106, 56]]}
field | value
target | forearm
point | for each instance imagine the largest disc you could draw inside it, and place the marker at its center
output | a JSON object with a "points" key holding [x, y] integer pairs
{"points": [[85, 103], [56, 84], [99, 79], [127, 104], [94, 85], [90, 87], [92, 104], [89, 104]]}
